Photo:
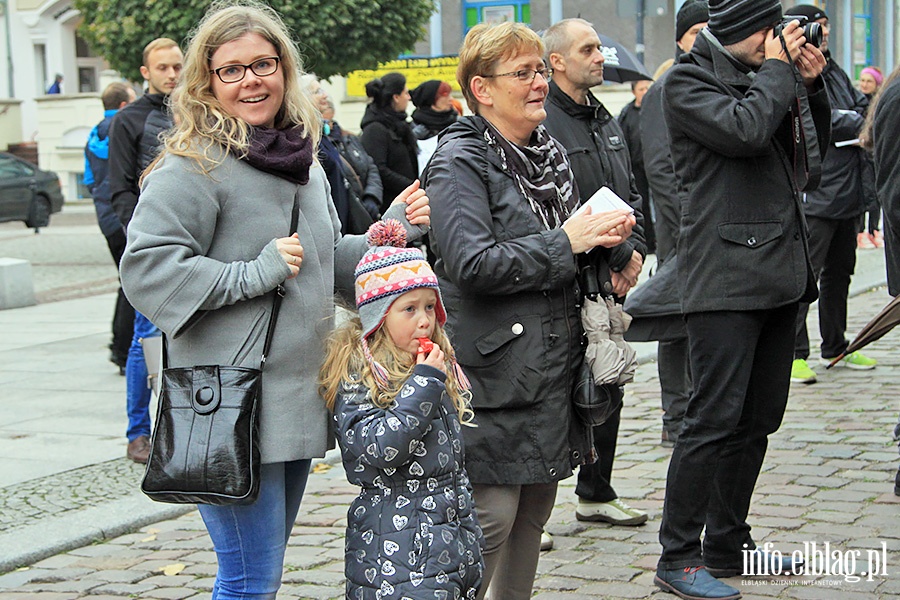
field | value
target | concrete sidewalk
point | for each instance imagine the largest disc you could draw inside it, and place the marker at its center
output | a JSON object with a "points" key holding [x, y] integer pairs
{"points": [[64, 481]]}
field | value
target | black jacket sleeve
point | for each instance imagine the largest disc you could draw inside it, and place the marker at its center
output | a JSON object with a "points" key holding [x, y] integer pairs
{"points": [[660, 171], [123, 160]]}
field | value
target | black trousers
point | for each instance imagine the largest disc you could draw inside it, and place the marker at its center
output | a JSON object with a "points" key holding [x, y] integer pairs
{"points": [[594, 480], [741, 367], [832, 252], [674, 367], [123, 315]]}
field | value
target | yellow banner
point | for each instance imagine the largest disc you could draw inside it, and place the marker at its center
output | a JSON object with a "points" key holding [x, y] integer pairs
{"points": [[416, 70]]}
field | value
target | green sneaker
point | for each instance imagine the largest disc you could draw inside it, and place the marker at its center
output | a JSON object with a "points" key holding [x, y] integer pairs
{"points": [[801, 373], [854, 360]]}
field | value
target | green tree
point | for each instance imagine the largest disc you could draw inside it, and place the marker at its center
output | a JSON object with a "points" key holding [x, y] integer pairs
{"points": [[334, 36]]}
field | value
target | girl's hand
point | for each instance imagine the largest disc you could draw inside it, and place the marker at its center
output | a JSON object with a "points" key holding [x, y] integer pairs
{"points": [[435, 358], [418, 212], [292, 252]]}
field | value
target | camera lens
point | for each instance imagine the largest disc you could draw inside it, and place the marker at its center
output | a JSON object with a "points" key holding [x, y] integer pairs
{"points": [[813, 34]]}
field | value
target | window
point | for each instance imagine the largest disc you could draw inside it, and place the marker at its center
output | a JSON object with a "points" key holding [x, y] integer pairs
{"points": [[500, 11], [862, 36]]}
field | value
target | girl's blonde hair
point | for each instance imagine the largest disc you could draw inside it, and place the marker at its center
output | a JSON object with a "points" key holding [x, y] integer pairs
{"points": [[345, 362], [204, 131]]}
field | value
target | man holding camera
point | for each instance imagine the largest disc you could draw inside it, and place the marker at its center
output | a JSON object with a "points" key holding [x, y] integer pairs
{"points": [[832, 214], [733, 105]]}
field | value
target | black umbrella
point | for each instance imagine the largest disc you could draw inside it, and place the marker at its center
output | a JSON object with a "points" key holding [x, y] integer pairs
{"points": [[883, 322], [621, 65]]}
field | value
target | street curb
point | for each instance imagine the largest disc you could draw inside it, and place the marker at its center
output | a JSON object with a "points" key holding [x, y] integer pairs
{"points": [[56, 535], [80, 528]]}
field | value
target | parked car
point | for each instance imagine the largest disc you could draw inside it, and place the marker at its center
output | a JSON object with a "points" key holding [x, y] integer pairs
{"points": [[27, 193]]}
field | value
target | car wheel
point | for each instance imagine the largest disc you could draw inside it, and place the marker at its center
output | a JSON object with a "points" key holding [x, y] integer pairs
{"points": [[39, 214]]}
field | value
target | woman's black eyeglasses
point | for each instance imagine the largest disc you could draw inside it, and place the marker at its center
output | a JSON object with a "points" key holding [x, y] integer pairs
{"points": [[526, 75], [234, 73]]}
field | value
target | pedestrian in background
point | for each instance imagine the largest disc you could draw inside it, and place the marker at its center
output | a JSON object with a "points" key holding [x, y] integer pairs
{"points": [[598, 157], [434, 113], [672, 357], [134, 143], [387, 135], [630, 121], [506, 265], [210, 242], [870, 236], [116, 96], [398, 400], [744, 261], [358, 180], [833, 212], [56, 86]]}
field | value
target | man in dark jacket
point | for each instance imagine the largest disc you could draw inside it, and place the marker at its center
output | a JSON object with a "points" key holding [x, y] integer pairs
{"points": [[599, 157], [744, 261], [116, 96], [630, 121], [833, 213], [672, 361], [134, 143], [885, 125]]}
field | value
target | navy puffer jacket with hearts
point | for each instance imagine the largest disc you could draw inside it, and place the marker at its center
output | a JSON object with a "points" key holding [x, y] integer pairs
{"points": [[412, 531]]}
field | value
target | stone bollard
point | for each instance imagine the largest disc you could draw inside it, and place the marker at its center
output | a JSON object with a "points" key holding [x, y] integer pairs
{"points": [[16, 287]]}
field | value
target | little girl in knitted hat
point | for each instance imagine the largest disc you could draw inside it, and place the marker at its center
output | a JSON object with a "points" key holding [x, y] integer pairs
{"points": [[399, 400]]}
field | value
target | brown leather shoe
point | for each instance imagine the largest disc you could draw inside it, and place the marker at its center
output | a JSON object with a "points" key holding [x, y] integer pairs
{"points": [[139, 449]]}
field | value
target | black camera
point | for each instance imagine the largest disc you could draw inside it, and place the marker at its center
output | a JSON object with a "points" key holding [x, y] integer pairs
{"points": [[811, 31]]}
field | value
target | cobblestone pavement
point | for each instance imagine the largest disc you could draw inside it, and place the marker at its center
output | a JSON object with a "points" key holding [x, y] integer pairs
{"points": [[27, 503], [828, 478]]}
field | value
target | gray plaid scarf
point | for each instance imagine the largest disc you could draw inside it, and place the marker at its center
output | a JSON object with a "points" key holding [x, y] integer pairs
{"points": [[541, 171]]}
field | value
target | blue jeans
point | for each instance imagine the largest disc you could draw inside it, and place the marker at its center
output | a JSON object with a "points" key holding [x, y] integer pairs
{"points": [[137, 393], [250, 540]]}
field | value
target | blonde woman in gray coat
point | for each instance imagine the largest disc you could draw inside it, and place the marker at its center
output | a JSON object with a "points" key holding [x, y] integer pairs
{"points": [[209, 242]]}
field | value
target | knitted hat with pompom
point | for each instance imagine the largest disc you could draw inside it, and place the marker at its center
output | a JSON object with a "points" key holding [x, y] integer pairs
{"points": [[388, 270]]}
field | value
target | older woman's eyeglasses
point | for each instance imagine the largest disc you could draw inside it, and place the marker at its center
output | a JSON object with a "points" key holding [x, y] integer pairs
{"points": [[526, 75], [234, 73]]}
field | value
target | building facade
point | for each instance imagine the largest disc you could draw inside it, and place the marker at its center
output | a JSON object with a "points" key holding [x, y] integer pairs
{"points": [[39, 39]]}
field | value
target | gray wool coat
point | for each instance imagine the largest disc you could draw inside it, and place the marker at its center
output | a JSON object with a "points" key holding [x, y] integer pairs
{"points": [[201, 261]]}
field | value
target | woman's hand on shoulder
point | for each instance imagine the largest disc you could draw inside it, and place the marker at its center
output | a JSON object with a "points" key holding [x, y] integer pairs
{"points": [[589, 230], [292, 252], [418, 211]]}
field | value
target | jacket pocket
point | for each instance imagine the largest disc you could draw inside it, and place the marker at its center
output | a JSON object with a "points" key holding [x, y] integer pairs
{"points": [[509, 367], [752, 234]]}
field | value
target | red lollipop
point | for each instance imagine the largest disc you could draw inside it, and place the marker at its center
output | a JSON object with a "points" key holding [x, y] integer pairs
{"points": [[426, 344]]}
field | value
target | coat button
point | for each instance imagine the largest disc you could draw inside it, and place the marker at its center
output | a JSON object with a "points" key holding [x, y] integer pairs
{"points": [[576, 454], [517, 329], [552, 472], [751, 241]]}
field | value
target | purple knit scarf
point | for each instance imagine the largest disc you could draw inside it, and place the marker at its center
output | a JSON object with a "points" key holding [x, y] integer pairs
{"points": [[285, 153]]}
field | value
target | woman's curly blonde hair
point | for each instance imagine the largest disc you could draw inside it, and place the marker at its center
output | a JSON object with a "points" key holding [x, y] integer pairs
{"points": [[204, 131], [345, 362]]}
